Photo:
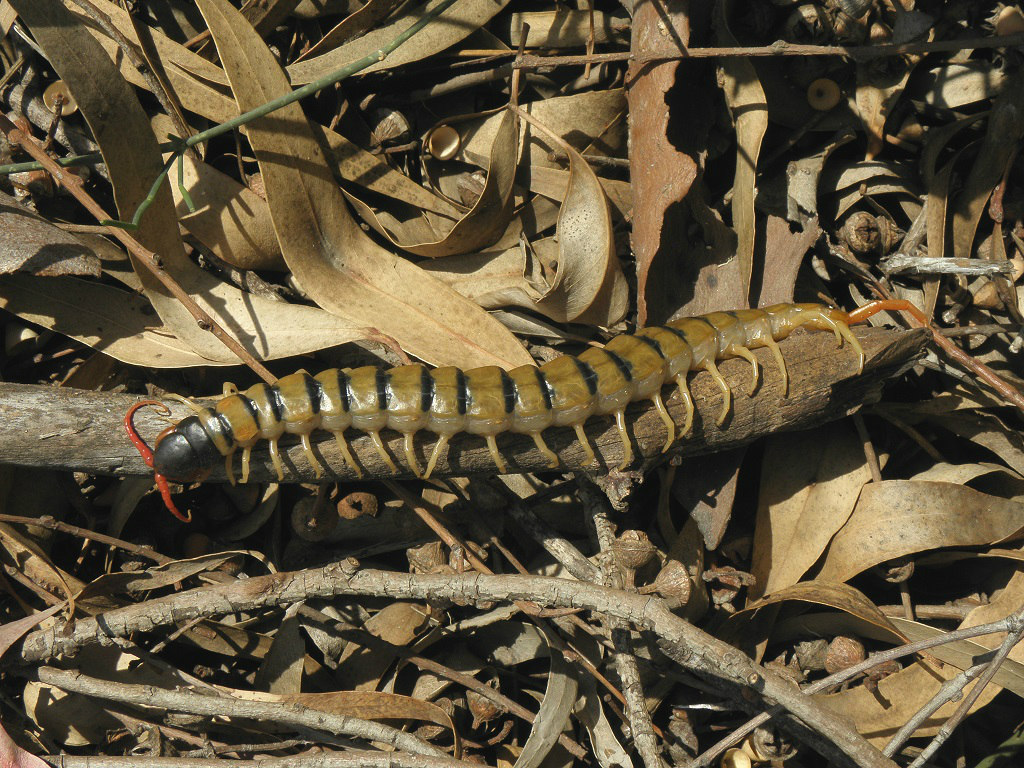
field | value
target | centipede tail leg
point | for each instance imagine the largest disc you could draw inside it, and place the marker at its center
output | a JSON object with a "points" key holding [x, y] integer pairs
{"points": [[862, 313], [588, 449], [627, 446]]}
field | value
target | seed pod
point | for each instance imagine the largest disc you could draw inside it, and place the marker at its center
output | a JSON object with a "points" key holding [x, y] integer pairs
{"points": [[59, 89], [843, 653], [633, 549], [823, 94], [443, 142]]}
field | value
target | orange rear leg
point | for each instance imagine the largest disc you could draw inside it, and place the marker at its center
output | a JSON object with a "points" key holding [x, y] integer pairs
{"points": [[862, 313]]}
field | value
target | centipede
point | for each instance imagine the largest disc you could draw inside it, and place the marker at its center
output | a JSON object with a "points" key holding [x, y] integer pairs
{"points": [[488, 401]]}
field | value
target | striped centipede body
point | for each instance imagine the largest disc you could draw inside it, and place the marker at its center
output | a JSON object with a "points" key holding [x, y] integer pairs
{"points": [[488, 401]]}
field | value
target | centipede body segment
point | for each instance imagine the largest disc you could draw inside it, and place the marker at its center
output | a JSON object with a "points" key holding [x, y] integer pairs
{"points": [[488, 401]]}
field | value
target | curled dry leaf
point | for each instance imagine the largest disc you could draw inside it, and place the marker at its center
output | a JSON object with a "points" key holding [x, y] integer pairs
{"points": [[129, 149], [853, 602], [229, 218], [745, 97], [490, 215], [810, 483], [879, 714], [336, 263], [586, 283], [198, 86]]}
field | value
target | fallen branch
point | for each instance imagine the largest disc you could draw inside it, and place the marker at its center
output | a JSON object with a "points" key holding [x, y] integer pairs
{"points": [[693, 649], [77, 430]]}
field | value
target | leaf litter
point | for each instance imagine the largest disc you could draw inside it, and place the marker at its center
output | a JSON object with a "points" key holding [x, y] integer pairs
{"points": [[574, 197]]}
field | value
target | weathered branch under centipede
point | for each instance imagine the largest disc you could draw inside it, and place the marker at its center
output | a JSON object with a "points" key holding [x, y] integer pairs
{"points": [[81, 430]]}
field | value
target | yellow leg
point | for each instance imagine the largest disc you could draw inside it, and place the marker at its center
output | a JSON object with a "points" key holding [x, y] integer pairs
{"points": [[275, 456], [375, 436], [687, 398], [545, 451], [777, 353], [230, 389], [711, 368], [246, 453], [627, 445], [670, 426], [755, 367], [439, 446], [410, 454], [229, 469], [588, 450], [843, 332], [492, 446], [848, 335], [310, 456], [346, 454]]}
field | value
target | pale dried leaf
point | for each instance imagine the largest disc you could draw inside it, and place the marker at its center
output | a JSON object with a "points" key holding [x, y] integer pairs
{"points": [[810, 483], [336, 263]]}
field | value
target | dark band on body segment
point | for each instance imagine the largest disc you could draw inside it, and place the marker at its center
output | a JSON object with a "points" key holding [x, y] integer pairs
{"points": [[568, 392]]}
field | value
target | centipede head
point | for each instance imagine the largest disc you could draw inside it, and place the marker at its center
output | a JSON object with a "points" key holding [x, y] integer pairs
{"points": [[159, 461]]}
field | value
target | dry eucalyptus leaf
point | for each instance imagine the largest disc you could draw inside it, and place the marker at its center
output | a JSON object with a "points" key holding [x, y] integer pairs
{"points": [[810, 483], [894, 518], [124, 135], [336, 263], [450, 27]]}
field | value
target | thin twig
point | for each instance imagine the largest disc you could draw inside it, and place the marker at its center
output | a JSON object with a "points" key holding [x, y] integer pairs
{"points": [[709, 755], [948, 691], [190, 702], [688, 645], [778, 48], [1012, 638], [598, 509], [353, 759]]}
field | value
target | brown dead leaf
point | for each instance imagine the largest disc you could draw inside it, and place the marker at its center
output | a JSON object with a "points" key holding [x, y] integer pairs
{"points": [[999, 147], [840, 596], [29, 243], [810, 482], [199, 85], [340, 267], [489, 217], [122, 130], [894, 518], [452, 26], [749, 106]]}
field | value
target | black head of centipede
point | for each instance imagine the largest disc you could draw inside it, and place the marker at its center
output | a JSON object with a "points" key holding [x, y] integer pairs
{"points": [[183, 453]]}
